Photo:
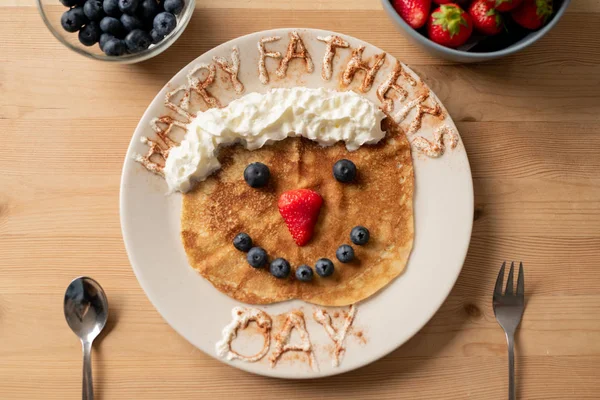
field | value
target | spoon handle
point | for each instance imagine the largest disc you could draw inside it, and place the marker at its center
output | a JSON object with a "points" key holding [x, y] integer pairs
{"points": [[87, 388]]}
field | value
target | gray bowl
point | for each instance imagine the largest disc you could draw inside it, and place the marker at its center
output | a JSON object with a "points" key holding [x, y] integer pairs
{"points": [[471, 56]]}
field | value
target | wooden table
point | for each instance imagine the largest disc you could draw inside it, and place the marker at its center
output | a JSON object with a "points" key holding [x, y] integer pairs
{"points": [[531, 126]]}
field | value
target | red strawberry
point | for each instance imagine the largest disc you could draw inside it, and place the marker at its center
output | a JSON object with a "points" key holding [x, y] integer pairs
{"points": [[442, 1], [504, 5], [414, 12], [300, 210], [532, 14], [449, 25], [485, 19]]}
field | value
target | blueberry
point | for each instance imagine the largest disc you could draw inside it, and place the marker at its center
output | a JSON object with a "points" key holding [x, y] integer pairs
{"points": [[359, 235], [257, 175], [115, 47], [344, 171], [164, 23], [89, 34], [304, 273], [345, 253], [131, 22], [113, 26], [72, 3], [111, 8], [105, 37], [173, 6], [147, 10], [128, 6], [280, 268], [257, 257], [242, 242], [73, 19], [156, 37], [324, 267], [93, 10], [138, 40]]}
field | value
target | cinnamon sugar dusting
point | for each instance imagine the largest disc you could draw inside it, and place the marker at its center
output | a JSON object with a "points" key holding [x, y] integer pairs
{"points": [[241, 318], [356, 64], [169, 122], [199, 86], [360, 335], [231, 68], [294, 320], [390, 83], [160, 147], [436, 148], [194, 84], [421, 110], [332, 42], [338, 336], [263, 74], [183, 106], [295, 49]]}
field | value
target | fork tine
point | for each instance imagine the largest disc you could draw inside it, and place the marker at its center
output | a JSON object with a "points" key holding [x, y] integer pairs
{"points": [[521, 281], [499, 281], [509, 281]]}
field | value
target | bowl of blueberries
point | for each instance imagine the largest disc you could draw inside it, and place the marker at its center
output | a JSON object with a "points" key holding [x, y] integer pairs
{"points": [[123, 31]]}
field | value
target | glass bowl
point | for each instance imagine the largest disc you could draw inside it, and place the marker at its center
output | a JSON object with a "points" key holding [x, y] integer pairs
{"points": [[51, 11]]}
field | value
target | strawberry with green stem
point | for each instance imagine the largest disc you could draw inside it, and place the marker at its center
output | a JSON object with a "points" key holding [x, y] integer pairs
{"points": [[449, 25], [486, 19]]}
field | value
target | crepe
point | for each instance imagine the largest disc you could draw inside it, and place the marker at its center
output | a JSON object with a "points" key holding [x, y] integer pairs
{"points": [[381, 200]]}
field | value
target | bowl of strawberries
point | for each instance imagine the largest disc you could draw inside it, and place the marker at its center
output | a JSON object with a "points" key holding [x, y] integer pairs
{"points": [[474, 30]]}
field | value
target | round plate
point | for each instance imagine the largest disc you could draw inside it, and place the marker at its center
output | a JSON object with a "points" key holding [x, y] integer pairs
{"points": [[443, 210]]}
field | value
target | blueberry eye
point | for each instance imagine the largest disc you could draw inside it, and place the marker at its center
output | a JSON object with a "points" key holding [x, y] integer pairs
{"points": [[344, 171], [257, 175]]}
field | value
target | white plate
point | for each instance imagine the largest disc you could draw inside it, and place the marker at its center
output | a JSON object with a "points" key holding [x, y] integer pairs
{"points": [[443, 206]]}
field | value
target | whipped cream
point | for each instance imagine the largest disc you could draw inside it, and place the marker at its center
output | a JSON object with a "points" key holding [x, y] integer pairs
{"points": [[241, 318], [294, 320], [338, 336], [254, 120]]}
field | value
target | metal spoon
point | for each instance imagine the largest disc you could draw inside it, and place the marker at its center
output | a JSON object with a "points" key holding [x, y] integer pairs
{"points": [[86, 311]]}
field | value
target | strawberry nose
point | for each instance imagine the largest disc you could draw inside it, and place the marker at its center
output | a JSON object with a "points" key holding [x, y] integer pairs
{"points": [[300, 209]]}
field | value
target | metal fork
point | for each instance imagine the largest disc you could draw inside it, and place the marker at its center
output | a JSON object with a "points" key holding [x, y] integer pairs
{"points": [[508, 308]]}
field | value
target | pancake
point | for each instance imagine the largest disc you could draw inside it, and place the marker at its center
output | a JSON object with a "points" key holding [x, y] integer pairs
{"points": [[381, 200]]}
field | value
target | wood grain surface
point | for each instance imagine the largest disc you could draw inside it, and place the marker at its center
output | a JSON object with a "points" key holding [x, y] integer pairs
{"points": [[531, 126]]}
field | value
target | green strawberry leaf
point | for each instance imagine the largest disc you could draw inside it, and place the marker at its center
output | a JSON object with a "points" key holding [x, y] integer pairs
{"points": [[450, 18], [543, 9], [498, 20]]}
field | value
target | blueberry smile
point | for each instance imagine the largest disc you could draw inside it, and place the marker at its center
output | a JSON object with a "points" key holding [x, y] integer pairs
{"points": [[280, 268]]}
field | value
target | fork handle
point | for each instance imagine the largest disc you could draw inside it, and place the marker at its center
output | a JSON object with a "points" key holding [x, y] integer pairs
{"points": [[512, 395]]}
